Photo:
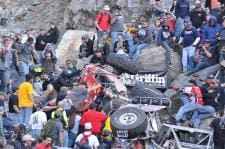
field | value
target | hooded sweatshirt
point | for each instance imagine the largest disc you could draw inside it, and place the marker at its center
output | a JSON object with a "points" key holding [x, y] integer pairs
{"points": [[210, 32], [182, 9]]}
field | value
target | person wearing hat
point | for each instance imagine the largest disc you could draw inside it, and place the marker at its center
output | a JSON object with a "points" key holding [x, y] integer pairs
{"points": [[117, 23], [37, 122], [102, 22], [189, 38], [197, 15], [211, 30], [204, 57], [87, 140], [170, 19], [165, 40], [98, 57], [13, 105], [27, 141]]}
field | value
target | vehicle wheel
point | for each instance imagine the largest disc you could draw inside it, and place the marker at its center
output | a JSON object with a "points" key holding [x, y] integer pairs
{"points": [[122, 63], [142, 90], [130, 119]]}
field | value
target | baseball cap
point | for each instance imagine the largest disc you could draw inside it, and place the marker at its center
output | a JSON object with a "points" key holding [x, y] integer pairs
{"points": [[28, 137], [205, 41], [87, 126]]}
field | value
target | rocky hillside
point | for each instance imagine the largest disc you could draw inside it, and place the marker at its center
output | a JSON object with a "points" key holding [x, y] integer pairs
{"points": [[68, 14]]}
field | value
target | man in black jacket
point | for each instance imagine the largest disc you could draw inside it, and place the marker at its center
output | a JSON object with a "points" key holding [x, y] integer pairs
{"points": [[40, 44], [53, 34], [86, 48]]}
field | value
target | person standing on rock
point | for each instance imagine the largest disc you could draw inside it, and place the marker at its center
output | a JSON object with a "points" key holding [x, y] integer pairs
{"points": [[40, 44], [53, 35], [190, 38], [102, 22], [117, 23], [25, 54]]}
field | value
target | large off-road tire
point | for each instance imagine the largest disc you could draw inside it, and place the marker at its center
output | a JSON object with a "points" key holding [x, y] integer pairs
{"points": [[122, 63], [145, 91], [130, 119]]}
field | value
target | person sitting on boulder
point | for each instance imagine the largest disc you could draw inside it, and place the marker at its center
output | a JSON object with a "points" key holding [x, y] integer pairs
{"points": [[49, 61], [98, 57], [104, 44], [204, 57], [156, 28], [145, 36], [121, 46], [86, 48], [166, 38]]}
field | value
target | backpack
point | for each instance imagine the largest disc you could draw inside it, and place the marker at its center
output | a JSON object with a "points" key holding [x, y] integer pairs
{"points": [[84, 140], [49, 130]]}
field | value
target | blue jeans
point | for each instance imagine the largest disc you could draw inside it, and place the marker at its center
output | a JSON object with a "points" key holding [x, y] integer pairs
{"points": [[36, 133], [40, 59], [179, 26], [166, 45], [188, 107], [99, 35], [4, 77], [202, 113], [23, 70], [129, 38], [136, 50], [201, 65], [72, 137], [188, 58], [65, 142], [25, 114], [14, 117]]}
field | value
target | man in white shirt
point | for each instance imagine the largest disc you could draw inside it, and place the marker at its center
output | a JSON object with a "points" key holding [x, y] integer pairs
{"points": [[37, 122], [91, 142]]}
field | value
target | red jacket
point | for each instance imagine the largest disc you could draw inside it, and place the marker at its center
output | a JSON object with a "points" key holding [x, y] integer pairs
{"points": [[95, 118], [197, 91], [104, 20]]}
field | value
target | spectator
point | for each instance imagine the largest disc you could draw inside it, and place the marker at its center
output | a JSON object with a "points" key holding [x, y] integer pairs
{"points": [[14, 106], [40, 44], [87, 140], [220, 95], [95, 118], [145, 36], [38, 86], [221, 15], [139, 21], [216, 11], [6, 55], [98, 57], [204, 57], [102, 22], [197, 15], [131, 27], [25, 58], [221, 41], [218, 126], [49, 62], [104, 44], [58, 130], [37, 122], [2, 112], [211, 30], [156, 28], [212, 4], [121, 46], [169, 18], [166, 39], [117, 23], [86, 48], [70, 66], [26, 100], [64, 120], [53, 34], [27, 141], [74, 121], [157, 8], [46, 144], [182, 8], [190, 39], [27, 34]]}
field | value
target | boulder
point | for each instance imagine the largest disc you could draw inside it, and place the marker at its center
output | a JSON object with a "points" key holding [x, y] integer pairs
{"points": [[176, 66], [182, 80], [68, 47], [153, 59]]}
